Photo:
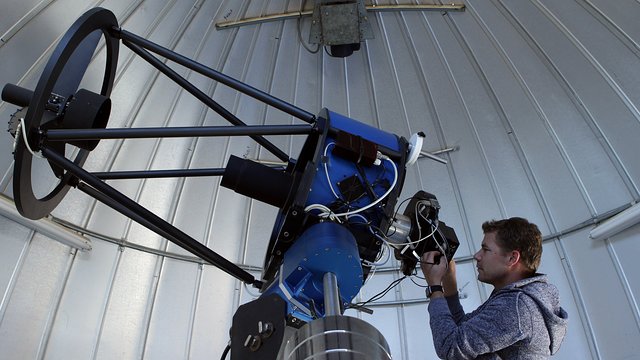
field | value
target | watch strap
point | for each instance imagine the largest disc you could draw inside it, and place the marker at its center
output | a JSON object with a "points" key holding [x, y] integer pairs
{"points": [[433, 288]]}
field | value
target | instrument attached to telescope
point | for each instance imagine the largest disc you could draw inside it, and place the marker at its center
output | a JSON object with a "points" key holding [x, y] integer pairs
{"points": [[336, 201]]}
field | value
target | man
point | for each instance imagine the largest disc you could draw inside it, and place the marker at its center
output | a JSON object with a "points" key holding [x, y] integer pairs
{"points": [[522, 319]]}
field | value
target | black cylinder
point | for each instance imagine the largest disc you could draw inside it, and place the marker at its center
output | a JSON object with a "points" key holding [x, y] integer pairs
{"points": [[87, 110], [16, 95], [257, 181]]}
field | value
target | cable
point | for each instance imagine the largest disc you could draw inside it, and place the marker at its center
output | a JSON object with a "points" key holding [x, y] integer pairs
{"points": [[413, 281], [226, 351], [20, 129], [313, 51], [395, 180], [366, 221], [420, 239], [376, 263], [324, 211], [383, 237], [326, 170], [379, 295], [246, 287], [328, 213], [440, 247]]}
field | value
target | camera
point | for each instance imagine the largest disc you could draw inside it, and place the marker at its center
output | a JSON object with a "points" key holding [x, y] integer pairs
{"points": [[419, 230]]}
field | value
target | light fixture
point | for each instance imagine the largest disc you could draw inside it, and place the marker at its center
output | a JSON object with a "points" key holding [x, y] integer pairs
{"points": [[617, 223], [44, 226], [341, 25]]}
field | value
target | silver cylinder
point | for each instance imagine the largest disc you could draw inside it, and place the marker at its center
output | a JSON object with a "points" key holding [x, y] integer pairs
{"points": [[331, 295], [337, 337], [399, 230]]}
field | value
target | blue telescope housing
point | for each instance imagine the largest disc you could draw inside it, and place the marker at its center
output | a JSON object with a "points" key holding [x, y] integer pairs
{"points": [[346, 192]]}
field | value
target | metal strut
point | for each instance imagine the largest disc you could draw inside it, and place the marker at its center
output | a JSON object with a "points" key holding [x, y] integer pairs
{"points": [[121, 203]]}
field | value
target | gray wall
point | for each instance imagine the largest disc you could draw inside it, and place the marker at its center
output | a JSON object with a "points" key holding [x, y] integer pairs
{"points": [[539, 98]]}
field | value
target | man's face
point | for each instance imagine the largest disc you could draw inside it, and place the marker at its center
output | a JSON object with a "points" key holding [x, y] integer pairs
{"points": [[492, 261]]}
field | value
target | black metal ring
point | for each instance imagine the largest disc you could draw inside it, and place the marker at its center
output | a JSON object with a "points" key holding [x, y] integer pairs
{"points": [[95, 19]]}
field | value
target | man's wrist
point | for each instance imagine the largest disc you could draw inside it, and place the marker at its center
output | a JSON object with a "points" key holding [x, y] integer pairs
{"points": [[434, 290]]}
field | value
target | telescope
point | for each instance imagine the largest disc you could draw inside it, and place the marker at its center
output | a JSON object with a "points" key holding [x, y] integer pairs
{"points": [[337, 199]]}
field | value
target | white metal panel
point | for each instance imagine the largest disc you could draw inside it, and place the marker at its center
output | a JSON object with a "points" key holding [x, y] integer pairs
{"points": [[560, 111], [607, 317], [577, 343], [623, 252], [529, 136], [79, 316], [31, 308], [125, 318], [172, 311], [616, 117], [540, 98], [461, 123], [15, 241]]}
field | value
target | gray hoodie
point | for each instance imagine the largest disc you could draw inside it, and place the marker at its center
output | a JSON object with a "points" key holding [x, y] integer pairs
{"points": [[523, 320]]}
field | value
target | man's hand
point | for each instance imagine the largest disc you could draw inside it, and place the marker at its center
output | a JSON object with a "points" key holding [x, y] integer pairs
{"points": [[449, 281], [434, 271]]}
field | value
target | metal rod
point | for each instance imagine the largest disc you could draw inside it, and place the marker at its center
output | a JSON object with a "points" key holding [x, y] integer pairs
{"points": [[433, 157], [203, 97], [445, 150], [220, 77], [44, 226], [416, 7], [158, 132], [122, 209], [137, 212], [370, 8], [263, 19], [154, 174], [331, 295]]}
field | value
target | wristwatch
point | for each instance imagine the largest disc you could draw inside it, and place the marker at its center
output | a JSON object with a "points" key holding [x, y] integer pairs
{"points": [[433, 288]]}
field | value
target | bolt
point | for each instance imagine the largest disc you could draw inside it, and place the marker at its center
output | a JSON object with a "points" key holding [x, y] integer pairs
{"points": [[286, 234], [253, 342], [294, 213], [265, 329]]}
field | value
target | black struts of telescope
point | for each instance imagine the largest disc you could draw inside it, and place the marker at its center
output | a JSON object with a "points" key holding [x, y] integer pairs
{"points": [[216, 75], [121, 203], [68, 135], [155, 174], [48, 139], [140, 46], [200, 95]]}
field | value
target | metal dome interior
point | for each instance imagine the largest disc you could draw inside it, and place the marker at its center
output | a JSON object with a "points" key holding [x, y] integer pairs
{"points": [[529, 109]]}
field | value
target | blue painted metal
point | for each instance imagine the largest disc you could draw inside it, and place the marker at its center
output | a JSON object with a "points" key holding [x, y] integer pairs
{"points": [[324, 247], [328, 246], [340, 169]]}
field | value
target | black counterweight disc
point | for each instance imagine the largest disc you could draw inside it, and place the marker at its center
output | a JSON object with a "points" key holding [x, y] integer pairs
{"points": [[61, 77]]}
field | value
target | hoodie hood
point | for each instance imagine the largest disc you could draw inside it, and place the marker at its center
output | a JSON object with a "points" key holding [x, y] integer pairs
{"points": [[546, 296]]}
